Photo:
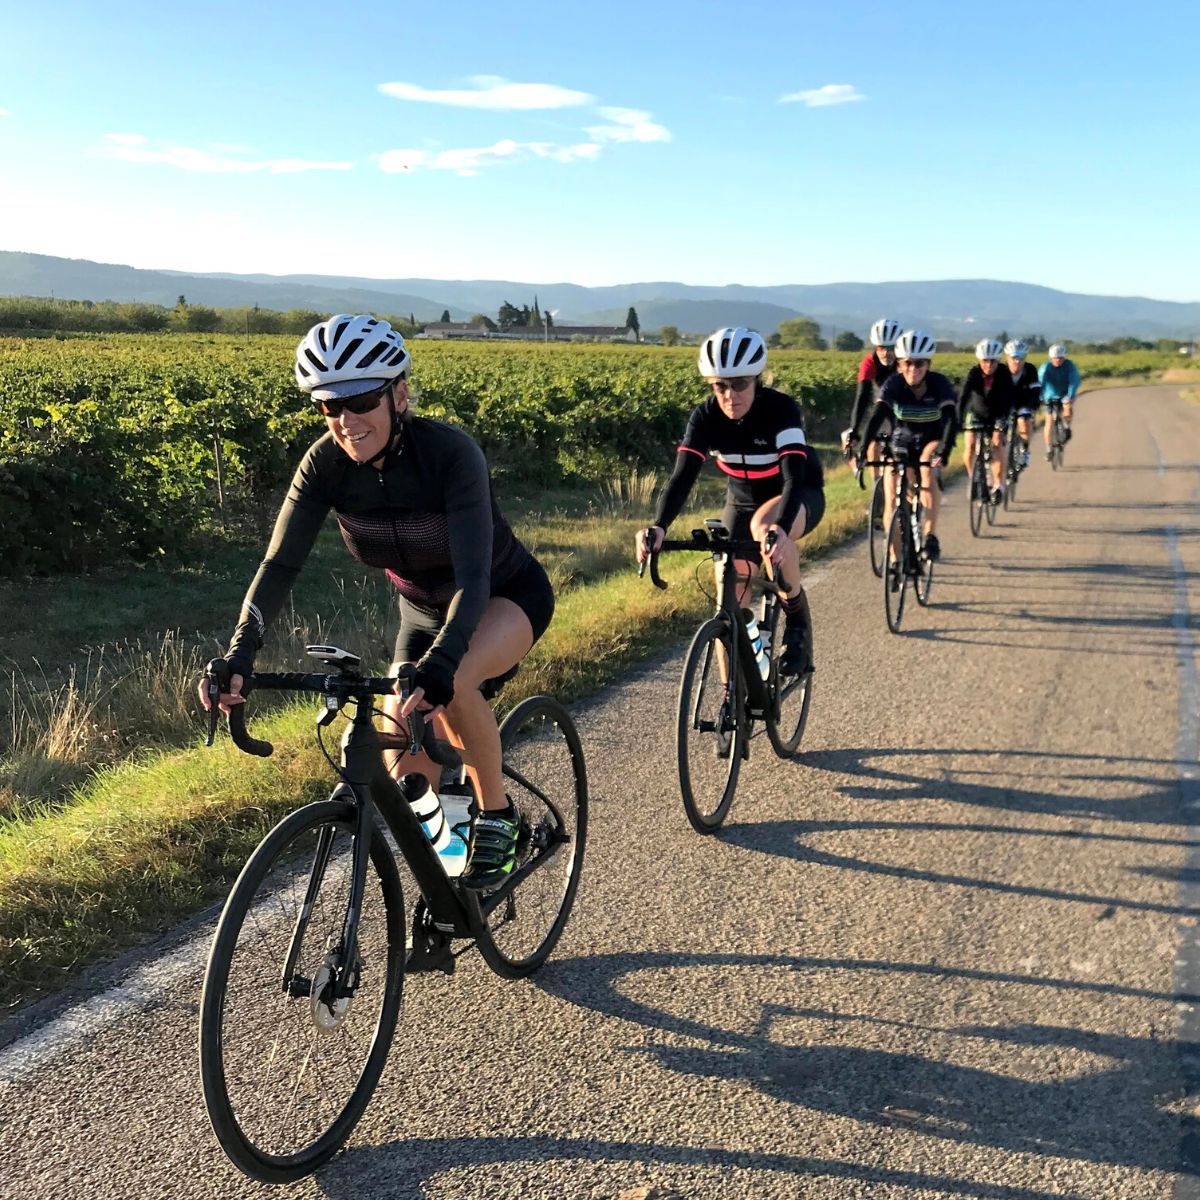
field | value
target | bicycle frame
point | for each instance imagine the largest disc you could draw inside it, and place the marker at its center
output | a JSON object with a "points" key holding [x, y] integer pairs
{"points": [[743, 657]]}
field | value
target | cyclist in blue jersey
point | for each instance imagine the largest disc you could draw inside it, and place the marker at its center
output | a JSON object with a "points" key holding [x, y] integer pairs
{"points": [[1059, 378], [985, 403], [1027, 392], [411, 496], [921, 406], [775, 483]]}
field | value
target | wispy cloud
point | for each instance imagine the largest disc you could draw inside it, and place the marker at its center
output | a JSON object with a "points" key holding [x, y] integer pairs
{"points": [[823, 97], [3, 112], [470, 161], [492, 91], [133, 147], [628, 125]]}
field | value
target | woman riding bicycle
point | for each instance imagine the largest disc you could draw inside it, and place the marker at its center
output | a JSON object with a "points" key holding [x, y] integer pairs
{"points": [[1027, 392], [775, 482], [921, 405], [986, 401], [412, 496], [873, 372], [1059, 378]]}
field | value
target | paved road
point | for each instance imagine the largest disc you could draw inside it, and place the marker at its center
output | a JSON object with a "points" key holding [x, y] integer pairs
{"points": [[937, 958]]}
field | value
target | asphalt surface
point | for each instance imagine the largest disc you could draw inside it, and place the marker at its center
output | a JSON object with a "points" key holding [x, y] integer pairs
{"points": [[937, 957]]}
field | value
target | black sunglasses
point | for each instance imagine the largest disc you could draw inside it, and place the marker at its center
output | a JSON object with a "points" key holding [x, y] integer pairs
{"points": [[359, 405]]}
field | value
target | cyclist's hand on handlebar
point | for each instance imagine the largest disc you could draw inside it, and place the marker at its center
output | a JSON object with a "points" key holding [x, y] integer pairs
{"points": [[416, 702], [654, 535], [771, 545], [936, 462], [231, 696]]}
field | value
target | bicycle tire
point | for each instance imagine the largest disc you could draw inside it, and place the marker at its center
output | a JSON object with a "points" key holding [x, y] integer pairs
{"points": [[265, 903], [708, 711], [542, 752], [990, 508], [875, 536], [893, 600], [791, 695], [978, 489]]}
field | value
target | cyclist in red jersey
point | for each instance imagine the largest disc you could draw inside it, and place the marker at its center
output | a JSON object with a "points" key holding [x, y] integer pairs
{"points": [[873, 372]]}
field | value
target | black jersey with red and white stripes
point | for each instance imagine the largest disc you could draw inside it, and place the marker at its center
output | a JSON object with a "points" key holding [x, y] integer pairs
{"points": [[763, 455]]}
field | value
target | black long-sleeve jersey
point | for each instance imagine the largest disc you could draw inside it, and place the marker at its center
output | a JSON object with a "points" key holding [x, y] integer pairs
{"points": [[872, 375], [1027, 389], [426, 516], [987, 397], [931, 415], [763, 455]]}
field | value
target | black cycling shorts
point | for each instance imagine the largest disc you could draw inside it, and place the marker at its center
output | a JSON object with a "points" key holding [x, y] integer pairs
{"points": [[529, 589], [737, 520]]}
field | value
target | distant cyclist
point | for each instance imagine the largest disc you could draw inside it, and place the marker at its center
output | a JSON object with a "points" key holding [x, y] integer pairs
{"points": [[985, 403], [775, 482], [1027, 392], [921, 405], [1060, 384], [873, 372]]}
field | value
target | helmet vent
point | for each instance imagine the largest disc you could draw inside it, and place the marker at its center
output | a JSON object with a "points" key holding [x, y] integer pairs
{"points": [[347, 353]]}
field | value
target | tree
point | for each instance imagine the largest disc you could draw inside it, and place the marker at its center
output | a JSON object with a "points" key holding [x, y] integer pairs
{"points": [[775, 341], [548, 317], [508, 315], [445, 317], [631, 322], [848, 340], [801, 333], [483, 321], [669, 335]]}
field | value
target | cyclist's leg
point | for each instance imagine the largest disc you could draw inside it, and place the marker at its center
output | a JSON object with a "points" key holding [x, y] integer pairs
{"points": [[998, 458], [1048, 427], [889, 503], [929, 493], [1068, 408], [969, 447]]}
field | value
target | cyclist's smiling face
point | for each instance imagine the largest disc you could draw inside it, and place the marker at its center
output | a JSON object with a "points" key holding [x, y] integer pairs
{"points": [[364, 436], [886, 354], [734, 396], [988, 365]]}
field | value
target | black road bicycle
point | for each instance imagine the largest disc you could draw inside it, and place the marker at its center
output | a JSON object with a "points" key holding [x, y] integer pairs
{"points": [[981, 505], [1058, 432], [906, 560], [305, 977], [723, 691], [875, 526]]}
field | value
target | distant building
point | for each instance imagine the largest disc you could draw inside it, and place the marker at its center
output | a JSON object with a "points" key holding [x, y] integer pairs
{"points": [[454, 329], [530, 333]]}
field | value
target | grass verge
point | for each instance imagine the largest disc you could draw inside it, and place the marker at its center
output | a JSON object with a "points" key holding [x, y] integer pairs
{"points": [[148, 841]]}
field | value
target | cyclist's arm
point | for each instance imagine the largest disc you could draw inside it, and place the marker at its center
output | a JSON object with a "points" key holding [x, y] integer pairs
{"points": [[864, 396], [1072, 380], [949, 421], [468, 500], [879, 414], [795, 469], [687, 469], [300, 519]]}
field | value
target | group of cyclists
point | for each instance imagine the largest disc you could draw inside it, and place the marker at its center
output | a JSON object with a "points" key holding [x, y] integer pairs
{"points": [[413, 496]]}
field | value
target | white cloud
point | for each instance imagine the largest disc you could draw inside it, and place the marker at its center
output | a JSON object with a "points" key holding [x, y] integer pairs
{"points": [[471, 160], [133, 147], [3, 112], [491, 91], [823, 97], [628, 125]]}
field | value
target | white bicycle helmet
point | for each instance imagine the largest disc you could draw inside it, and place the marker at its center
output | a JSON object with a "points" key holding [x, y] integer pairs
{"points": [[884, 332], [732, 352], [915, 343], [988, 348], [1058, 350], [1016, 348], [346, 356]]}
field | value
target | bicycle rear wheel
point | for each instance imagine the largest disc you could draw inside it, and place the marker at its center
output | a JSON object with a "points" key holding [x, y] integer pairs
{"points": [[287, 1066], [895, 577], [546, 780], [710, 730], [791, 695], [876, 530], [1056, 443], [979, 496]]}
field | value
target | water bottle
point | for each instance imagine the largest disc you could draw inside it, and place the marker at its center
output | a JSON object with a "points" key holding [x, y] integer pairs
{"points": [[427, 808], [760, 653]]}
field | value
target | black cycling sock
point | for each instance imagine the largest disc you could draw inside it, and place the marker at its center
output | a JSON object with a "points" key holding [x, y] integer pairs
{"points": [[795, 608]]}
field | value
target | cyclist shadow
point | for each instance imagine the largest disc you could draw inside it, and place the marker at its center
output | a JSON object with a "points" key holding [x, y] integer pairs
{"points": [[1088, 776], [799, 1055]]}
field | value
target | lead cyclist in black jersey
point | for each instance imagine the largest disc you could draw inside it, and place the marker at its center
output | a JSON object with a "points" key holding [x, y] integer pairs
{"points": [[412, 496], [775, 482]]}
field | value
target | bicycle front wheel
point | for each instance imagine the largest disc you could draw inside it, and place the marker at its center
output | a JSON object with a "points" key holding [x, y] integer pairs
{"points": [[979, 495], [791, 695], [990, 508], [546, 780], [288, 1057], [711, 730], [895, 577], [877, 531]]}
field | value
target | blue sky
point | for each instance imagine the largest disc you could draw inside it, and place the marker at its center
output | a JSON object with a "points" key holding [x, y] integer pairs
{"points": [[707, 143]]}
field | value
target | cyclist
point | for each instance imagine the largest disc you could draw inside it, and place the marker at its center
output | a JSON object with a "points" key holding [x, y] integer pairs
{"points": [[986, 401], [774, 480], [1059, 378], [873, 372], [1027, 392], [412, 496], [921, 406]]}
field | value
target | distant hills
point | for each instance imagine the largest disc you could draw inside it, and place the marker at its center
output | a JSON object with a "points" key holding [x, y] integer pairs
{"points": [[953, 309]]}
